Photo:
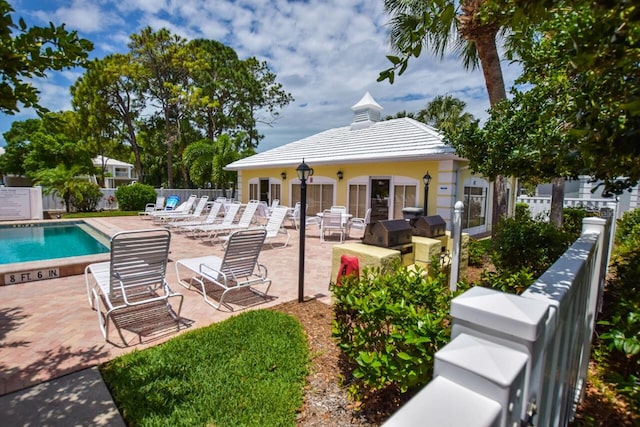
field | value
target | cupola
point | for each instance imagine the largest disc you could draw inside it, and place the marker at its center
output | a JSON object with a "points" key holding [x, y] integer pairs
{"points": [[366, 112]]}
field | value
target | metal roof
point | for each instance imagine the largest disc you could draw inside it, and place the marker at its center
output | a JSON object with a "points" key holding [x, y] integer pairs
{"points": [[109, 162], [401, 139]]}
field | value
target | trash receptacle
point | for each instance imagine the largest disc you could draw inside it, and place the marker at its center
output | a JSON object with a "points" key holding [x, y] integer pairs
{"points": [[411, 214]]}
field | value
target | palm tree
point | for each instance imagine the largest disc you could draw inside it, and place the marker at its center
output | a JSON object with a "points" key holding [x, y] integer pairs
{"points": [[446, 114], [60, 181], [442, 26]]}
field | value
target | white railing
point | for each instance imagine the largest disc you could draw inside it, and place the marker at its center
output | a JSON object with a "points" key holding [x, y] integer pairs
{"points": [[519, 359], [540, 206]]}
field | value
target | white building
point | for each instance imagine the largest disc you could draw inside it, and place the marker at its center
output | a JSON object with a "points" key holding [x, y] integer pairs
{"points": [[116, 173]]}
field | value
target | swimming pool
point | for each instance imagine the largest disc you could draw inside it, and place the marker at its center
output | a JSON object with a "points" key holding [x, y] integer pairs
{"points": [[35, 242]]}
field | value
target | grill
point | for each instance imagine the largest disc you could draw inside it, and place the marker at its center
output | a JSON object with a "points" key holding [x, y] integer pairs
{"points": [[429, 226], [388, 233]]}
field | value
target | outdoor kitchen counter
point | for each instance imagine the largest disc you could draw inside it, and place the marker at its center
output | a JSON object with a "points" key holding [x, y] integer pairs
{"points": [[368, 256]]}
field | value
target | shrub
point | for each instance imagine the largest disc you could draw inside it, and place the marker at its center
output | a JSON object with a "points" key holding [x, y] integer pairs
{"points": [[626, 224], [572, 221], [389, 323], [524, 243], [620, 319], [511, 282], [85, 196], [135, 197], [522, 211], [478, 249]]}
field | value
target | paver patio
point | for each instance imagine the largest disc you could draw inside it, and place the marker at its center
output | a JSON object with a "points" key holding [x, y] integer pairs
{"points": [[47, 328]]}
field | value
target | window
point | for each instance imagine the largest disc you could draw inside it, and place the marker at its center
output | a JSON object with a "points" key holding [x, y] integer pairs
{"points": [[319, 197], [275, 189], [357, 200], [404, 196], [253, 191], [475, 203]]}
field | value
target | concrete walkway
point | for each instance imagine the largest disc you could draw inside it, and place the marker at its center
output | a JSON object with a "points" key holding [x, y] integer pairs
{"points": [[50, 342]]}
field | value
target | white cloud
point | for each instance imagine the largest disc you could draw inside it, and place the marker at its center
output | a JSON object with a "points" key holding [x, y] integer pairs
{"points": [[83, 15], [326, 53]]}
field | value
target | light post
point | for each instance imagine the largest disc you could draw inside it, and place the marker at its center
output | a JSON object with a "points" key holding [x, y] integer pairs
{"points": [[426, 179], [304, 172]]}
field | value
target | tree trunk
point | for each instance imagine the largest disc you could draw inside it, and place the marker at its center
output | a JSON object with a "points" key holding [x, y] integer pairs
{"points": [[499, 201], [557, 202], [170, 136], [490, 62]]}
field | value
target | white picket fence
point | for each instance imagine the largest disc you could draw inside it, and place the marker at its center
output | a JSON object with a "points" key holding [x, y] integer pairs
{"points": [[517, 360], [51, 202]]}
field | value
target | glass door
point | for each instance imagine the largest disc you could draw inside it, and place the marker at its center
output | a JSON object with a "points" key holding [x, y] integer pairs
{"points": [[264, 190], [380, 198]]}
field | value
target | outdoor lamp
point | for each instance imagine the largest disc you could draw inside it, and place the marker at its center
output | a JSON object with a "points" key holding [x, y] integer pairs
{"points": [[427, 180], [340, 175], [304, 172], [283, 175]]}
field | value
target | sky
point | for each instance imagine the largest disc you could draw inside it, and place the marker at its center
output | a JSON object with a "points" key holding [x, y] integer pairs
{"points": [[326, 53]]}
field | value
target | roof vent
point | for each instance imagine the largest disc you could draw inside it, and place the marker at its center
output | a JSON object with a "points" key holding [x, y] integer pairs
{"points": [[366, 112]]}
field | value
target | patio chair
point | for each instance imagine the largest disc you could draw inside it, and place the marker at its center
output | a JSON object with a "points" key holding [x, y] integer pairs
{"points": [[181, 210], [244, 222], [184, 207], [229, 216], [187, 216], [332, 222], [359, 223], [151, 207], [238, 268], [275, 225], [211, 218], [133, 283]]}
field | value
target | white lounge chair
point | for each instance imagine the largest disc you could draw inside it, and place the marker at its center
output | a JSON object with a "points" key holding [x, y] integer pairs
{"points": [[211, 218], [216, 230], [189, 216], [238, 268], [133, 283], [182, 208], [229, 216], [275, 225], [152, 207]]}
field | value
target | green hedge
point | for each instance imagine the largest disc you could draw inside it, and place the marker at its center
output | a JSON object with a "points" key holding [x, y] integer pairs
{"points": [[389, 323], [135, 197]]}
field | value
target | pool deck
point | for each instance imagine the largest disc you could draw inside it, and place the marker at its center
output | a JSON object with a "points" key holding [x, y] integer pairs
{"points": [[48, 330]]}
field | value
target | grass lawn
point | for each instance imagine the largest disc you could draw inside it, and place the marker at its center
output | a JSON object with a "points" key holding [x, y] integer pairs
{"points": [[96, 214], [248, 370]]}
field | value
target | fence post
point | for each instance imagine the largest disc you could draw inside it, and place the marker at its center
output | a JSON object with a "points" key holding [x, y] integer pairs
{"points": [[456, 235]]}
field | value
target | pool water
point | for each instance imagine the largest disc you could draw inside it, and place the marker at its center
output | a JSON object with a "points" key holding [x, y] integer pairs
{"points": [[37, 242]]}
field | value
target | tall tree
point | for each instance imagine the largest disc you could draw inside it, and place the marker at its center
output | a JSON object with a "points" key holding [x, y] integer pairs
{"points": [[17, 148], [109, 101], [443, 26], [27, 53], [162, 75]]}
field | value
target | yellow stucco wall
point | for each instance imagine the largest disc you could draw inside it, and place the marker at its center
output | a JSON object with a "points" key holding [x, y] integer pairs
{"points": [[413, 170]]}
